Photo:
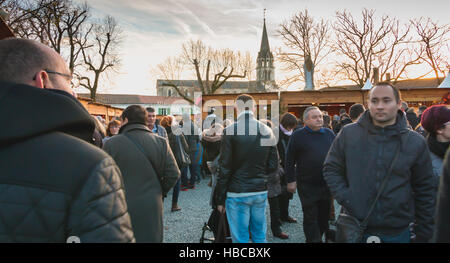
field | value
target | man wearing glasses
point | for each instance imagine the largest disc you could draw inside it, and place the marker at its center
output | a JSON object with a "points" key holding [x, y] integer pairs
{"points": [[56, 187]]}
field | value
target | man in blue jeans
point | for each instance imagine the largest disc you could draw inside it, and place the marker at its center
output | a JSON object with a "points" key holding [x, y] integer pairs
{"points": [[248, 155]]}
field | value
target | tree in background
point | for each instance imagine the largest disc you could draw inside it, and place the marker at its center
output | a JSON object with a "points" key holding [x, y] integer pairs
{"points": [[303, 37], [434, 47], [100, 53], [370, 43], [211, 67], [68, 28]]}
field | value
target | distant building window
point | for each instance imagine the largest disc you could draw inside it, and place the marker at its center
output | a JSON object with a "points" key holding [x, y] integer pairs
{"points": [[169, 92], [163, 111]]}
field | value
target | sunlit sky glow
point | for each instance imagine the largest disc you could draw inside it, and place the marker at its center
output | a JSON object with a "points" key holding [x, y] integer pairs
{"points": [[156, 29]]}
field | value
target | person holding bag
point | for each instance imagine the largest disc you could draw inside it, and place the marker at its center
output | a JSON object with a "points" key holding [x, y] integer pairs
{"points": [[380, 172], [180, 150]]}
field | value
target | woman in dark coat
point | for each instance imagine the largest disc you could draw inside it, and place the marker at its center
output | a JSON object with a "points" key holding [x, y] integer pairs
{"points": [[287, 124], [166, 122], [273, 194]]}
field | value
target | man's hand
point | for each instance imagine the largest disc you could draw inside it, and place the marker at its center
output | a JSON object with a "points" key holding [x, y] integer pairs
{"points": [[221, 209], [292, 187]]}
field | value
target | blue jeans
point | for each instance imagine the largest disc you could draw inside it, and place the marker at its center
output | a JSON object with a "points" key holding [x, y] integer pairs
{"points": [[246, 214], [403, 237]]}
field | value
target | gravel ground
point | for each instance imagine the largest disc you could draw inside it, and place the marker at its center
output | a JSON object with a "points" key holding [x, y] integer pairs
{"points": [[185, 226]]}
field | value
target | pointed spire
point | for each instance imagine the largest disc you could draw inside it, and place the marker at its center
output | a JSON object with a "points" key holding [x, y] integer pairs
{"points": [[265, 40]]}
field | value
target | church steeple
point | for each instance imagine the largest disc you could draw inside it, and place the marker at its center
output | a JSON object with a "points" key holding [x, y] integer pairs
{"points": [[265, 70], [265, 48]]}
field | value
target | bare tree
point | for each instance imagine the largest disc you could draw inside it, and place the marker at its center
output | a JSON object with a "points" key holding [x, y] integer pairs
{"points": [[434, 44], [368, 44], [56, 23], [171, 70], [100, 54], [303, 37], [212, 68]]}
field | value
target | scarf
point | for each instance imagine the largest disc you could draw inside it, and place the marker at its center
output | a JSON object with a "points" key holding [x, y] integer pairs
{"points": [[211, 138], [438, 148], [288, 133]]}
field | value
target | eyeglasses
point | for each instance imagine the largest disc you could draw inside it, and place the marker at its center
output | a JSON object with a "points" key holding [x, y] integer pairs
{"points": [[69, 77]]}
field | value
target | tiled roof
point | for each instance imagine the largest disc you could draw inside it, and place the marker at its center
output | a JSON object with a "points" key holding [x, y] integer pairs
{"points": [[133, 99], [194, 83]]}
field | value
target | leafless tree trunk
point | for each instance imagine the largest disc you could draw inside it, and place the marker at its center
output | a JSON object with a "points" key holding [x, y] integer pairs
{"points": [[434, 43], [100, 56], [302, 37]]}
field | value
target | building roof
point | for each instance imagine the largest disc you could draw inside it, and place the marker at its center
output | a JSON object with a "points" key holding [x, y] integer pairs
{"points": [[401, 84], [194, 83], [134, 99]]}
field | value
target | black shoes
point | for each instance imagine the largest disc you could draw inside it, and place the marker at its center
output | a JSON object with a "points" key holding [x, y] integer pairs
{"points": [[289, 220]]}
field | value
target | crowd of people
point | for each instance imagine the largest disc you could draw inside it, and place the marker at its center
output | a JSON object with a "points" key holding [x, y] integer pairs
{"points": [[67, 174]]}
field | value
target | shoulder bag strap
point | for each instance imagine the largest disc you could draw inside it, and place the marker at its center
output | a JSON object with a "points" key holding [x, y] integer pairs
{"points": [[383, 185], [139, 147]]}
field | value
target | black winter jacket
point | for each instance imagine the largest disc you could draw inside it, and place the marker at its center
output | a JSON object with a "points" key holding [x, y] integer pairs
{"points": [[53, 184], [357, 164], [442, 231], [244, 165]]}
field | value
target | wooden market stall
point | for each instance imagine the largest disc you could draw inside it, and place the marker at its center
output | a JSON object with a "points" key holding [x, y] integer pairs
{"points": [[107, 112]]}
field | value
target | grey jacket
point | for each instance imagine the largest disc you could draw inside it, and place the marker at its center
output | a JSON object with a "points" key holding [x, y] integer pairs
{"points": [[144, 193], [357, 164]]}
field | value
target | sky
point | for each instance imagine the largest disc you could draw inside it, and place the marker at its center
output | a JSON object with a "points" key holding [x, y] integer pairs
{"points": [[156, 29]]}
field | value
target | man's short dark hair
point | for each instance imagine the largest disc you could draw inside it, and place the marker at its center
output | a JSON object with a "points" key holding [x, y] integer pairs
{"points": [[22, 58], [356, 110], [246, 99], [150, 109], [395, 90], [135, 114], [422, 108], [288, 120], [342, 111]]}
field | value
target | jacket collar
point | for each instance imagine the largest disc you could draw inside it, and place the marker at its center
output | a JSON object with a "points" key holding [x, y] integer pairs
{"points": [[399, 127], [133, 126], [321, 130], [41, 112], [246, 112]]}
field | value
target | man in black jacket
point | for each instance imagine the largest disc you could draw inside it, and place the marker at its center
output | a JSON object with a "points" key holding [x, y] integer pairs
{"points": [[248, 155], [305, 154], [192, 135], [55, 186], [360, 158]]}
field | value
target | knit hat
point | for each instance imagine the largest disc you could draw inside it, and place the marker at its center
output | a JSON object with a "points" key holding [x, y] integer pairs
{"points": [[435, 117]]}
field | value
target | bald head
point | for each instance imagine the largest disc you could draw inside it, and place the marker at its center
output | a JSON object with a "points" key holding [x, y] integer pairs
{"points": [[26, 61]]}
